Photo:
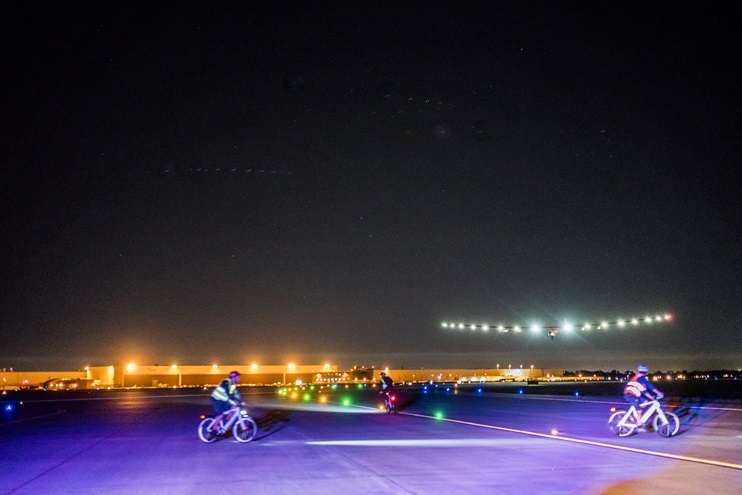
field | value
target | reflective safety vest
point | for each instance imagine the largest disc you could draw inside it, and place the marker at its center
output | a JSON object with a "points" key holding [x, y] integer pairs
{"points": [[221, 394], [634, 387]]}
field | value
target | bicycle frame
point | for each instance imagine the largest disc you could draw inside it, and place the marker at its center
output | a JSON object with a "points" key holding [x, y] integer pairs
{"points": [[390, 402], [624, 423], [231, 417], [654, 408]]}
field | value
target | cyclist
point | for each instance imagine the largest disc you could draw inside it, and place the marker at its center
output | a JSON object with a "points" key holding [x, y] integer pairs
{"points": [[387, 384], [640, 390], [224, 397]]}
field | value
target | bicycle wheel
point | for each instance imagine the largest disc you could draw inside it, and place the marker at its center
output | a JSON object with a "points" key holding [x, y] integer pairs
{"points": [[618, 426], [245, 429], [388, 405], [203, 431], [667, 429]]}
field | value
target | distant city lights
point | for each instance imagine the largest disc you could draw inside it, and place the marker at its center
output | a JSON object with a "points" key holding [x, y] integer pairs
{"points": [[552, 330]]}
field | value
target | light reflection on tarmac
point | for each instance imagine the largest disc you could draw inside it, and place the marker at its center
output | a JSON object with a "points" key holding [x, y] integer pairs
{"points": [[137, 441]]}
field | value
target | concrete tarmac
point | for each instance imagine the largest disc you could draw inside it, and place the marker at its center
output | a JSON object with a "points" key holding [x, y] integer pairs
{"points": [[445, 440]]}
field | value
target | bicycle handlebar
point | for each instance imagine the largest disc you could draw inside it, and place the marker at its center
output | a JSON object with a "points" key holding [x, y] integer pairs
{"points": [[651, 401]]}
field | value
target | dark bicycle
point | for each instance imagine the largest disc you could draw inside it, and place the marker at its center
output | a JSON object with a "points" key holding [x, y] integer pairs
{"points": [[390, 402]]}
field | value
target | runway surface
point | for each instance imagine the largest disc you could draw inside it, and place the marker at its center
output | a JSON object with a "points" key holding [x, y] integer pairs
{"points": [[445, 440]]}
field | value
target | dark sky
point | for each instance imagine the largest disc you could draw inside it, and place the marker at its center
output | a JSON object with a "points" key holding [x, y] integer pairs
{"points": [[329, 181]]}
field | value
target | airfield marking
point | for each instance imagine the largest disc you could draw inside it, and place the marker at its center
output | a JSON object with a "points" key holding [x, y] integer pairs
{"points": [[584, 442]]}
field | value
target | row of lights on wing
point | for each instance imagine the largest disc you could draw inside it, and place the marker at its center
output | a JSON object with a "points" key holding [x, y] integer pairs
{"points": [[291, 366], [568, 327]]}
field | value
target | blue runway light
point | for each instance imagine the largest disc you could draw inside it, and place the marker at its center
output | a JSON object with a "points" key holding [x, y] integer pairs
{"points": [[577, 394], [9, 407], [520, 391], [479, 390]]}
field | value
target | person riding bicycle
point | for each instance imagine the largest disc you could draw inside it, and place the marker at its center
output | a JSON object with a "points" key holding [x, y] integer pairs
{"points": [[224, 397], [640, 390], [387, 384]]}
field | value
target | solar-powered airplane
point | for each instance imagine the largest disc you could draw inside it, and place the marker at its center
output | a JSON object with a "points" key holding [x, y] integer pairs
{"points": [[553, 330]]}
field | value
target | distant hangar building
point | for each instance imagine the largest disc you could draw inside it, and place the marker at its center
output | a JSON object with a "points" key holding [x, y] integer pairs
{"points": [[146, 376]]}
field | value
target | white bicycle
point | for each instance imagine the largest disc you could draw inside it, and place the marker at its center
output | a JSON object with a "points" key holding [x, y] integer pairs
{"points": [[624, 423], [237, 420]]}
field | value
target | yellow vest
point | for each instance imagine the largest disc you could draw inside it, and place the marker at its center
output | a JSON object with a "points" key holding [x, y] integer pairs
{"points": [[223, 395]]}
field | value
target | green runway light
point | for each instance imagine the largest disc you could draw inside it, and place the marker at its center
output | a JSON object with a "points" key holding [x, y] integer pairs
{"points": [[346, 402], [439, 415]]}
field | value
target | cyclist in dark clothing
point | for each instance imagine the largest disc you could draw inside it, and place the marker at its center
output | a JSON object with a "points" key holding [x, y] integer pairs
{"points": [[386, 385]]}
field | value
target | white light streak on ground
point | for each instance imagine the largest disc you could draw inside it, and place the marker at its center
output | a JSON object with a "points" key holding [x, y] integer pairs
{"points": [[424, 443]]}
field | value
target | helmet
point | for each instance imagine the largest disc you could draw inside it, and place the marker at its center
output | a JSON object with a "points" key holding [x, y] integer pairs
{"points": [[383, 374], [233, 374], [642, 369]]}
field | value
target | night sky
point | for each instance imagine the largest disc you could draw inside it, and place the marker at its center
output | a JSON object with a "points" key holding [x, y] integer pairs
{"points": [[200, 182]]}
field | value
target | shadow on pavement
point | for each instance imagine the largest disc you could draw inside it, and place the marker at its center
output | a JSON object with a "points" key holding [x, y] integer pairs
{"points": [[271, 421], [688, 412], [406, 399]]}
